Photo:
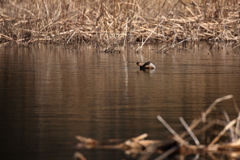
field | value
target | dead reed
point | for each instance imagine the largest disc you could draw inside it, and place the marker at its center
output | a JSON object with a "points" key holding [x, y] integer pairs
{"points": [[110, 23]]}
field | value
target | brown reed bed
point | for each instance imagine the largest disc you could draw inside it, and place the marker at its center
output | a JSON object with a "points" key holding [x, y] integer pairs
{"points": [[111, 23], [205, 136]]}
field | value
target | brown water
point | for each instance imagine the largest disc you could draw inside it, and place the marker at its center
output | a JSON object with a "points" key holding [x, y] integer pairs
{"points": [[49, 94]]}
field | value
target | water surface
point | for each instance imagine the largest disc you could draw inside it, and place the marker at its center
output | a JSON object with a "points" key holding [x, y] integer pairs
{"points": [[51, 93]]}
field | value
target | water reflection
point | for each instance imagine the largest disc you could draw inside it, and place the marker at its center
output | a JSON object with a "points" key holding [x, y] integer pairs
{"points": [[52, 93]]}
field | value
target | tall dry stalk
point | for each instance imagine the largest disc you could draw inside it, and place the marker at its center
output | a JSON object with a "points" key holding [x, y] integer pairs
{"points": [[111, 23]]}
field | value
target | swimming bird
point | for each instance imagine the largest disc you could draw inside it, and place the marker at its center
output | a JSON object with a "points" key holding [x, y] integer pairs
{"points": [[147, 65]]}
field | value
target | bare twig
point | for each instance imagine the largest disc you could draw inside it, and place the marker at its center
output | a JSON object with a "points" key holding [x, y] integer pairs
{"points": [[176, 136], [227, 127], [189, 131]]}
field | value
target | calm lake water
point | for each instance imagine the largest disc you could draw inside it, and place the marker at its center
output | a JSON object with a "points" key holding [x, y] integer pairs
{"points": [[49, 94]]}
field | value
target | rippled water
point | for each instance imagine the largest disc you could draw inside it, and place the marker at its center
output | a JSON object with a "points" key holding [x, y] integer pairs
{"points": [[50, 93]]}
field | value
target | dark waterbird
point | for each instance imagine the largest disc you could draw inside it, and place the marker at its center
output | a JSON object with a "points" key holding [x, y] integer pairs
{"points": [[147, 65]]}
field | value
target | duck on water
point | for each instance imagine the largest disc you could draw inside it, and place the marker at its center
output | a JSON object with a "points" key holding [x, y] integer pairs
{"points": [[147, 65]]}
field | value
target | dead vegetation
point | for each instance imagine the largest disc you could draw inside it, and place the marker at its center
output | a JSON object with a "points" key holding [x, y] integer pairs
{"points": [[110, 23], [223, 136]]}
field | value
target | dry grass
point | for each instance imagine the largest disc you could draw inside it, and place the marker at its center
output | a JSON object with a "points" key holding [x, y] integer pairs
{"points": [[111, 23]]}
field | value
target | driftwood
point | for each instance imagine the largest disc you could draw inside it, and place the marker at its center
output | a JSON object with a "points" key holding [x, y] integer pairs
{"points": [[180, 143]]}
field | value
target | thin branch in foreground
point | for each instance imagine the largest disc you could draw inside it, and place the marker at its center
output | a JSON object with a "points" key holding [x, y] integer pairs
{"points": [[230, 124], [176, 136], [210, 108], [167, 153], [79, 156], [231, 132], [189, 131], [237, 129]]}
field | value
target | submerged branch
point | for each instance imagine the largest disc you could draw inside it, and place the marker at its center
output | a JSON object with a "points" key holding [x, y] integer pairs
{"points": [[180, 144]]}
